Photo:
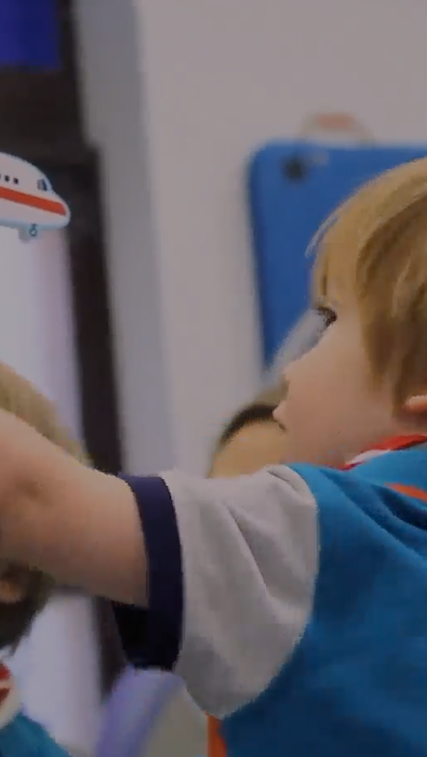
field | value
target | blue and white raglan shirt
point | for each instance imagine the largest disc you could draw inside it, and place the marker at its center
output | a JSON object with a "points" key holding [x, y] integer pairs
{"points": [[293, 603]]}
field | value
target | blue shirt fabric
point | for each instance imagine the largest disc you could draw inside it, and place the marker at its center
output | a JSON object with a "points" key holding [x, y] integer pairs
{"points": [[22, 737]]}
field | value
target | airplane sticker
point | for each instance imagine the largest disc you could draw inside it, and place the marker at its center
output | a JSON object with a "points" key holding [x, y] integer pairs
{"points": [[28, 202]]}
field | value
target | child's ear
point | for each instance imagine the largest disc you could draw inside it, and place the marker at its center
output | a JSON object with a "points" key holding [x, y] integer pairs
{"points": [[14, 584]]}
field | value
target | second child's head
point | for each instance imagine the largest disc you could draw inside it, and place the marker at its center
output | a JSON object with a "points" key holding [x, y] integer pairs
{"points": [[366, 378], [251, 439]]}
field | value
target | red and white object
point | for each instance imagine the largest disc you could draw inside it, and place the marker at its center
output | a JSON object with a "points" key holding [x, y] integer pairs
{"points": [[28, 202], [9, 699]]}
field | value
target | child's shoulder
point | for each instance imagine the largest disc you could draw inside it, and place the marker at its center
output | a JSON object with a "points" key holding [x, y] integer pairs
{"points": [[378, 501], [371, 479]]}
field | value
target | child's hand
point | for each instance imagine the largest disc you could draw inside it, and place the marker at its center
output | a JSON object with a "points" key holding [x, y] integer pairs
{"points": [[78, 525]]}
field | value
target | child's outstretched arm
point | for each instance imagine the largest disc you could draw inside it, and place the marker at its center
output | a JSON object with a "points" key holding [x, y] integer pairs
{"points": [[226, 567], [79, 525]]}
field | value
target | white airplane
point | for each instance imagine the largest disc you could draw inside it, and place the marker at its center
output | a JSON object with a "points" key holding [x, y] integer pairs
{"points": [[27, 200]]}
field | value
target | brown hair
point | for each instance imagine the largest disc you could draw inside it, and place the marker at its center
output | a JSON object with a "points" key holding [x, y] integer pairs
{"points": [[374, 248], [20, 397]]}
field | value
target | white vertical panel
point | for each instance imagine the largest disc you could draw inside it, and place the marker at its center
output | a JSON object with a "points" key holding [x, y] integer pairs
{"points": [[57, 666], [57, 669], [36, 322]]}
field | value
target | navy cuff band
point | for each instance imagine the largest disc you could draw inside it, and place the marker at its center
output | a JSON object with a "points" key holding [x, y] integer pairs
{"points": [[152, 638]]}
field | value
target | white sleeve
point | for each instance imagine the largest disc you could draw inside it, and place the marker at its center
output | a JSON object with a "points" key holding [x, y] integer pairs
{"points": [[249, 561]]}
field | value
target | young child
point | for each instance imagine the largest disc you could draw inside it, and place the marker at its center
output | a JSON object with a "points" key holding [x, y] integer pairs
{"points": [[291, 601], [24, 592]]}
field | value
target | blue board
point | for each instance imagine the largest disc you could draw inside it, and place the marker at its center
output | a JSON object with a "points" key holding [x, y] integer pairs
{"points": [[293, 187], [29, 34]]}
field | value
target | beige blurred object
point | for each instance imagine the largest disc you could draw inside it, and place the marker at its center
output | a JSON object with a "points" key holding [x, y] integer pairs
{"points": [[75, 751], [341, 123], [180, 731]]}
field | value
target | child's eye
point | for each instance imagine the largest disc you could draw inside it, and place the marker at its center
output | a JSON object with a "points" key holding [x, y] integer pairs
{"points": [[327, 315]]}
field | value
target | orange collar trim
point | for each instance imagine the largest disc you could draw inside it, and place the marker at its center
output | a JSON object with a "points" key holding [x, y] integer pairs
{"points": [[388, 445]]}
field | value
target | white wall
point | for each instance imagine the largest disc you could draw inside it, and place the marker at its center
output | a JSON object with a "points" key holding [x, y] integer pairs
{"points": [[178, 94], [36, 321]]}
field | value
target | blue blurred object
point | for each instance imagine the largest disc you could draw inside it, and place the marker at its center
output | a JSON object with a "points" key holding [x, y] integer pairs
{"points": [[29, 33], [293, 187], [22, 737], [135, 704]]}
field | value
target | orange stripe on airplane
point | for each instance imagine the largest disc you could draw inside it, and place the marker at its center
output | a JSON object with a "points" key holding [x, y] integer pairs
{"points": [[410, 491], [31, 201]]}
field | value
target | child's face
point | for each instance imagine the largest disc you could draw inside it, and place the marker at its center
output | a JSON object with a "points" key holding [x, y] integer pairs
{"points": [[332, 411]]}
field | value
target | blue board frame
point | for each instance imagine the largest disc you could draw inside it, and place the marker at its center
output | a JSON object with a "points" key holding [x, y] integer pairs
{"points": [[293, 187]]}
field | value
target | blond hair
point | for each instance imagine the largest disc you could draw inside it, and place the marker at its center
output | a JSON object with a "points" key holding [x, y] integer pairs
{"points": [[20, 397], [374, 248]]}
